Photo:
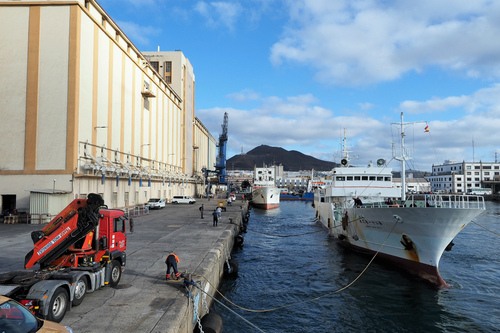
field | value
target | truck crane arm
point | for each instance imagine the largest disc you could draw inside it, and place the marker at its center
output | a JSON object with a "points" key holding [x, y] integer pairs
{"points": [[74, 222]]}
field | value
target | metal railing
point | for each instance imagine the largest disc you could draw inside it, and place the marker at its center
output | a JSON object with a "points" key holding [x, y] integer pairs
{"points": [[436, 201]]}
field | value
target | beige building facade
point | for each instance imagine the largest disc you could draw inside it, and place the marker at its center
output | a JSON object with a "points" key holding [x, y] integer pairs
{"points": [[83, 111]]}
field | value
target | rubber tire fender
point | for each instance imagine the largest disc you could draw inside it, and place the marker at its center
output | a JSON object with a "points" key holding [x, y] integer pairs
{"points": [[211, 323], [234, 265], [58, 305]]}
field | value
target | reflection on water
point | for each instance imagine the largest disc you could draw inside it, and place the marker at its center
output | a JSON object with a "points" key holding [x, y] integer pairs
{"points": [[282, 271]]}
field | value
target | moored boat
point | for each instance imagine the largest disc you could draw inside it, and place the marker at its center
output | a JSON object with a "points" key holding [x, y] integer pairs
{"points": [[265, 194], [364, 212]]}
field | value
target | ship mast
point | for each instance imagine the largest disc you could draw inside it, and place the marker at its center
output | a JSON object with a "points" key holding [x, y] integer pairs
{"points": [[403, 160], [403, 156]]}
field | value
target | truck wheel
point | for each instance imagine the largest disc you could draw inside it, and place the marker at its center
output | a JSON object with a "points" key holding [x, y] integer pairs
{"points": [[116, 273], [80, 291], [58, 305]]}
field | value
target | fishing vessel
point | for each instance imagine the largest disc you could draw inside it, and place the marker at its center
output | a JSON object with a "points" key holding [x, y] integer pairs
{"points": [[363, 211], [265, 194]]}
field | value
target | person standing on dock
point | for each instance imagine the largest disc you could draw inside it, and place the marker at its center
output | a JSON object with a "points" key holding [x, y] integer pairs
{"points": [[215, 214], [201, 211], [171, 261]]}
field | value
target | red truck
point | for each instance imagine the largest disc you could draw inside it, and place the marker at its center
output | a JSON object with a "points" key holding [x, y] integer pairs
{"points": [[81, 250]]}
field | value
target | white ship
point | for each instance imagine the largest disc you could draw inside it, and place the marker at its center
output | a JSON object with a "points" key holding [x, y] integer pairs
{"points": [[410, 232], [265, 194]]}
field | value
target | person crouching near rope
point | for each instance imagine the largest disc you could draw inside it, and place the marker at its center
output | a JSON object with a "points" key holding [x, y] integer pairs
{"points": [[171, 262]]}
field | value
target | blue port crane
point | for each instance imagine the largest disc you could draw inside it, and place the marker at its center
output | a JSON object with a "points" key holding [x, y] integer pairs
{"points": [[220, 163]]}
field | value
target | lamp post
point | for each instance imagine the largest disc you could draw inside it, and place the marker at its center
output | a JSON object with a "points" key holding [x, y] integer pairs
{"points": [[146, 144]]}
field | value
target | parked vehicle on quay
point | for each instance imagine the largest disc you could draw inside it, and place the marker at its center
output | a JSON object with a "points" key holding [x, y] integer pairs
{"points": [[156, 203], [177, 199], [81, 250], [14, 317]]}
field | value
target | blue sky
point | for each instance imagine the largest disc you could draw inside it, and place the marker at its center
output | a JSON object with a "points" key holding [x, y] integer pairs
{"points": [[295, 73]]}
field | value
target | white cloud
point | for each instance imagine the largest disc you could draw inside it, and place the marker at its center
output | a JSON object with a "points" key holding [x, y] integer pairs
{"points": [[137, 33], [299, 123], [482, 99], [244, 95], [363, 42], [365, 106], [223, 14]]}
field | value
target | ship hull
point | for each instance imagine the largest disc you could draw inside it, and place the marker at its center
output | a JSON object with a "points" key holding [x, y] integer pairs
{"points": [[414, 238], [266, 197]]}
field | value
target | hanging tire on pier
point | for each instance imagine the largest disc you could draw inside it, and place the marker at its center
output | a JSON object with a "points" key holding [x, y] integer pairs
{"points": [[238, 241], [233, 269], [211, 323]]}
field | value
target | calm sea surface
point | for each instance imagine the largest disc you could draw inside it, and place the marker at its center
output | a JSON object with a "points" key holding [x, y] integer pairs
{"points": [[283, 271]]}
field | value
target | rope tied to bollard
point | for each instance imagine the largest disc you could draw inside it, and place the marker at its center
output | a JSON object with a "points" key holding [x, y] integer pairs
{"points": [[191, 282]]}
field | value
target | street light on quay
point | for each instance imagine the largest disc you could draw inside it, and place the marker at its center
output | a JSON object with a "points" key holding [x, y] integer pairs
{"points": [[146, 144]]}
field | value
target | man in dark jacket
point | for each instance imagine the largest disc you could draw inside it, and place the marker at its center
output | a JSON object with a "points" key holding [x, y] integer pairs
{"points": [[171, 262]]}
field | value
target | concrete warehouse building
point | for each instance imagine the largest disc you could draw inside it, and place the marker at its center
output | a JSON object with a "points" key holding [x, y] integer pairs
{"points": [[83, 111]]}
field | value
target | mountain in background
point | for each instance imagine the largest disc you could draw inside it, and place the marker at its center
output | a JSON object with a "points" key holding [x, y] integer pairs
{"points": [[265, 155]]}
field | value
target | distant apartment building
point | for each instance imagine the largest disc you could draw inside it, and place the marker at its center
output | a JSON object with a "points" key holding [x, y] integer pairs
{"points": [[295, 180], [452, 177]]}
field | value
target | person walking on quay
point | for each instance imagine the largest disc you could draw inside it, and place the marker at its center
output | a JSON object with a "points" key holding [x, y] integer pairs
{"points": [[215, 214], [172, 261], [201, 210]]}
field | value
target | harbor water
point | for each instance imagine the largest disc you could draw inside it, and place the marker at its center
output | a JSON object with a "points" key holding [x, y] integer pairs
{"points": [[292, 274]]}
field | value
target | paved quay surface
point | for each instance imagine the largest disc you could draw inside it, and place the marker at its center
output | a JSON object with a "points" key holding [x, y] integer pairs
{"points": [[143, 301]]}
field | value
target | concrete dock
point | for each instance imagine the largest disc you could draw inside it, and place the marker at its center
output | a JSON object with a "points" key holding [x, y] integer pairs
{"points": [[143, 301]]}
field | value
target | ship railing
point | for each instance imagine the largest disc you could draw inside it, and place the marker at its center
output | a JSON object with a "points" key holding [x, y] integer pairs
{"points": [[447, 201], [435, 201]]}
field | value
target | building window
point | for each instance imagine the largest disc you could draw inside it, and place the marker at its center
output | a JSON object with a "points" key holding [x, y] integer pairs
{"points": [[155, 65], [168, 71]]}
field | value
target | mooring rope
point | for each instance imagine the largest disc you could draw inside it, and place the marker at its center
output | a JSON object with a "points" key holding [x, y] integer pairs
{"points": [[312, 299], [235, 313], [493, 232]]}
